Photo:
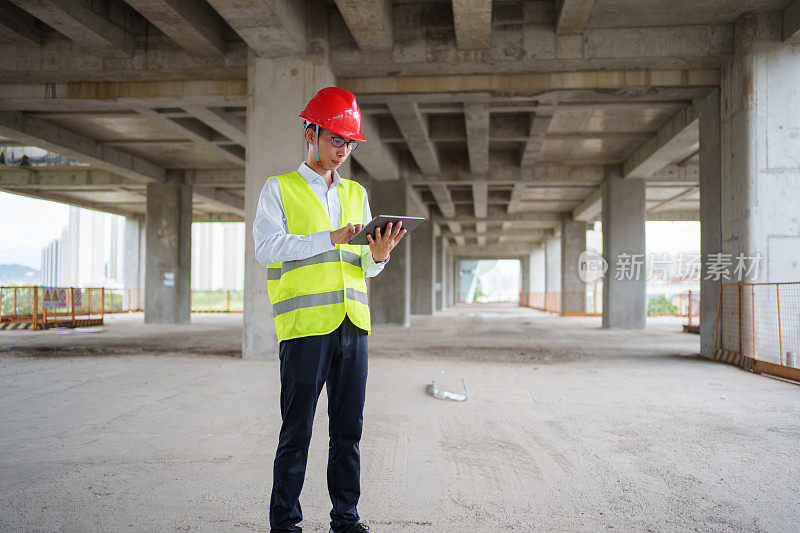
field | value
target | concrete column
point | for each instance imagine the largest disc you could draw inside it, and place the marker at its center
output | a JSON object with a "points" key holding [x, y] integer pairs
{"points": [[759, 149], [467, 270], [710, 212], [450, 270], [455, 281], [142, 258], [423, 269], [552, 271], [525, 277], [390, 291], [760, 170], [169, 251], [624, 303], [573, 244], [131, 257], [441, 269], [277, 91]]}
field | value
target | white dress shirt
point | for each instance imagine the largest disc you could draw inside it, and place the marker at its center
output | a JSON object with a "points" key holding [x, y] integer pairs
{"points": [[274, 245]]}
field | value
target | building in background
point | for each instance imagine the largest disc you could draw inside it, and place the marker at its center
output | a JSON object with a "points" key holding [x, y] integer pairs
{"points": [[218, 256], [51, 260], [88, 253], [103, 250]]}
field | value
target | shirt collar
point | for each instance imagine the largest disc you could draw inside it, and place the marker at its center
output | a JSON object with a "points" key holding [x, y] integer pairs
{"points": [[309, 175]]}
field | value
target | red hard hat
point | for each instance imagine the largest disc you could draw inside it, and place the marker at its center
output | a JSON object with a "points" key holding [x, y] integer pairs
{"points": [[336, 110]]}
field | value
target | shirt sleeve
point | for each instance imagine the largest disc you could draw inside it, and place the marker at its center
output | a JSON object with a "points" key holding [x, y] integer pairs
{"points": [[368, 264], [272, 243]]}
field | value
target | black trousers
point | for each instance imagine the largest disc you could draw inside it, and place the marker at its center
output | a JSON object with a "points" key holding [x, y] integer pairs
{"points": [[338, 359]]}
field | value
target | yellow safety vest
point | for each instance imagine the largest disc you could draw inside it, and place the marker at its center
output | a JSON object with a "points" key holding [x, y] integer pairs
{"points": [[311, 296]]}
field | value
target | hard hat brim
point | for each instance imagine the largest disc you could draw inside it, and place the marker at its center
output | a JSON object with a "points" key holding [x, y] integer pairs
{"points": [[348, 134]]}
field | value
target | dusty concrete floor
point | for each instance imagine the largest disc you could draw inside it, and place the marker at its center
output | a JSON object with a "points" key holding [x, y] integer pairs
{"points": [[569, 428]]}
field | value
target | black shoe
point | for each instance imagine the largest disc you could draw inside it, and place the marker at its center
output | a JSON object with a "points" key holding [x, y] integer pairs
{"points": [[355, 528]]}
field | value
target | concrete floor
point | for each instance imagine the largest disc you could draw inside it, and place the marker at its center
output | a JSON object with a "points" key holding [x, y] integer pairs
{"points": [[569, 428]]}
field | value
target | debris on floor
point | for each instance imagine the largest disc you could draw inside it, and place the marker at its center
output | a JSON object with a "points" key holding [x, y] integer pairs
{"points": [[447, 395]]}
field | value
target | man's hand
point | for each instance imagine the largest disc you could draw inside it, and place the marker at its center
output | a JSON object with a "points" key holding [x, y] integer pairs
{"points": [[381, 245], [342, 235]]}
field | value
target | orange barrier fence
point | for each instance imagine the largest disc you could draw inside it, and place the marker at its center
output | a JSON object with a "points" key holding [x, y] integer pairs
{"points": [[577, 303], [217, 301], [23, 307], [590, 303], [583, 303], [758, 327], [543, 301], [689, 307], [39, 308], [123, 300]]}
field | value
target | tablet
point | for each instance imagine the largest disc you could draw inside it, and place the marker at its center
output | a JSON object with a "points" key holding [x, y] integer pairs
{"points": [[380, 221]]}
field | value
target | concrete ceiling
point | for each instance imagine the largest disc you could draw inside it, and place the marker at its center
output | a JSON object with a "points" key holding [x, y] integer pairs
{"points": [[499, 115]]}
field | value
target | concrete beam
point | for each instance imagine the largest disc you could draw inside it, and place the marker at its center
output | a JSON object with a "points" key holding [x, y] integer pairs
{"points": [[510, 235], [192, 24], [679, 174], [480, 195], [39, 180], [661, 206], [476, 117], [517, 194], [369, 22], [791, 22], [673, 142], [229, 202], [18, 27], [539, 175], [70, 200], [196, 131], [231, 126], [443, 199], [272, 28], [473, 23], [118, 96], [551, 218], [572, 15], [494, 250], [538, 49], [216, 217], [591, 208], [379, 160], [675, 215], [43, 179], [415, 132], [538, 131], [78, 22], [480, 198], [62, 61], [445, 202], [49, 136], [525, 83], [231, 178]]}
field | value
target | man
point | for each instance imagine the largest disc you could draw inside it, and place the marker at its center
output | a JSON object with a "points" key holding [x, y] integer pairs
{"points": [[318, 294]]}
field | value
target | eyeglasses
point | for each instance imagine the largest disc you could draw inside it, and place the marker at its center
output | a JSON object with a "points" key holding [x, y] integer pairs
{"points": [[338, 142]]}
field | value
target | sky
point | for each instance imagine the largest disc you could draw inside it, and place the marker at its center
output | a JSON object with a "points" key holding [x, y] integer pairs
{"points": [[28, 225]]}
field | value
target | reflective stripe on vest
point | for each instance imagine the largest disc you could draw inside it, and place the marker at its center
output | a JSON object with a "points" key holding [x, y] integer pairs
{"points": [[331, 256], [313, 300]]}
